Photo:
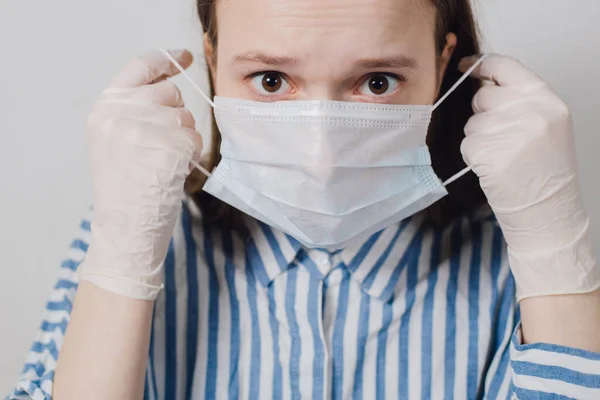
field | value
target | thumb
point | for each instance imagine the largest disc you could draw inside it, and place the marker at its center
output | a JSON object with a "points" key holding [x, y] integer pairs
{"points": [[151, 68]]}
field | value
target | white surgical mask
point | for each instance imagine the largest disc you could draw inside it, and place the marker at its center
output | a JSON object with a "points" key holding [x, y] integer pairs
{"points": [[325, 172]]}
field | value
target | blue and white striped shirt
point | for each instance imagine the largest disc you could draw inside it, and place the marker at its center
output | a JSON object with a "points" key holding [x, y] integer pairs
{"points": [[412, 313]]}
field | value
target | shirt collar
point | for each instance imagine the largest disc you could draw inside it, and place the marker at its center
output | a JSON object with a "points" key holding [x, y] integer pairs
{"points": [[376, 263], [270, 252]]}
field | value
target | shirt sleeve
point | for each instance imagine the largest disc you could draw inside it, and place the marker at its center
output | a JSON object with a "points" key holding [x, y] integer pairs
{"points": [[37, 376], [536, 371], [544, 371]]}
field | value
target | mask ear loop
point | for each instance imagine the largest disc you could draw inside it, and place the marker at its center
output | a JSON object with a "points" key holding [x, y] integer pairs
{"points": [[180, 68], [444, 97], [208, 100]]}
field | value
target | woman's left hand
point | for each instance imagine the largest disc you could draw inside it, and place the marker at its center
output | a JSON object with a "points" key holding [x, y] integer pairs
{"points": [[520, 143]]}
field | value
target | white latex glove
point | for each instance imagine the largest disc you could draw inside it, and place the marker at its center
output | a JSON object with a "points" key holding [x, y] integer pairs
{"points": [[520, 143], [142, 140]]}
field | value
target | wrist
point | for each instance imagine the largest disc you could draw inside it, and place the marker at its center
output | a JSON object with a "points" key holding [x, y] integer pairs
{"points": [[122, 286], [566, 320]]}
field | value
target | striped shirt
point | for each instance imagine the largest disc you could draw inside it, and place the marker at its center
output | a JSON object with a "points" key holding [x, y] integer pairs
{"points": [[414, 312]]}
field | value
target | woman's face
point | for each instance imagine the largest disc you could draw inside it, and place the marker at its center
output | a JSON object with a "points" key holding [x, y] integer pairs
{"points": [[378, 51]]}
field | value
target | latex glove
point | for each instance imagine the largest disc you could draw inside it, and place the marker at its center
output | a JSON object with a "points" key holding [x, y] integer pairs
{"points": [[142, 140], [520, 143]]}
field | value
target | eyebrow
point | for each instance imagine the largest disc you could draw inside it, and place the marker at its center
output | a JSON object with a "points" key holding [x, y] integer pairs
{"points": [[399, 61], [258, 57], [389, 62]]}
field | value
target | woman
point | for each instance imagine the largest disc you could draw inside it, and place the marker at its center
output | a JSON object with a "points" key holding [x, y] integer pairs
{"points": [[323, 299]]}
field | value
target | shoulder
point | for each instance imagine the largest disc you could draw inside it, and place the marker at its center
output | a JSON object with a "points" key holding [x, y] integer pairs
{"points": [[195, 231], [478, 228], [198, 261], [476, 239], [199, 243], [188, 247]]}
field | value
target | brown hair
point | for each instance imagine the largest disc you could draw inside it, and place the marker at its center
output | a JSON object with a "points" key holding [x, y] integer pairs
{"points": [[445, 134]]}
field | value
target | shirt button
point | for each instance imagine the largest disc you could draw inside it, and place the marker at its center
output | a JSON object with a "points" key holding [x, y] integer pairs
{"points": [[322, 261]]}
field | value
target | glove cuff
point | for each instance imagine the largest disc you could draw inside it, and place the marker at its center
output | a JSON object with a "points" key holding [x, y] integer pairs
{"points": [[122, 286], [570, 270], [119, 279]]}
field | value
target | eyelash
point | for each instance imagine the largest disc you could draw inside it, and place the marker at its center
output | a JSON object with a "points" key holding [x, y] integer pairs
{"points": [[400, 78]]}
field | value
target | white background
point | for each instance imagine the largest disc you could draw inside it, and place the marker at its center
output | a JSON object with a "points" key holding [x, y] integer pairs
{"points": [[57, 55]]}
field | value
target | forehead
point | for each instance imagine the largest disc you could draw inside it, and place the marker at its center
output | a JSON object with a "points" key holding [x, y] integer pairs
{"points": [[320, 28]]}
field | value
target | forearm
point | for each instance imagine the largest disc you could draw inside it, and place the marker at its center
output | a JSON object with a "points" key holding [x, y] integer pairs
{"points": [[105, 350], [567, 320]]}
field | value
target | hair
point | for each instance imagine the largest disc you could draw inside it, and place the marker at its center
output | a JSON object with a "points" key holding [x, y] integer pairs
{"points": [[444, 137]]}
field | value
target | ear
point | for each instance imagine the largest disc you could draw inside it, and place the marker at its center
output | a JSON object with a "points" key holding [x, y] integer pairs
{"points": [[446, 55], [209, 53]]}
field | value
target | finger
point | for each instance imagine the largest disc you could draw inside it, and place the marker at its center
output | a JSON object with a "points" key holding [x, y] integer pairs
{"points": [[151, 68], [147, 143], [496, 98], [490, 122], [163, 93], [502, 70], [165, 117], [196, 139], [475, 152]]}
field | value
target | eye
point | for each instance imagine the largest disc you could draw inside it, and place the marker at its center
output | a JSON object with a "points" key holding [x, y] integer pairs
{"points": [[379, 84], [268, 83]]}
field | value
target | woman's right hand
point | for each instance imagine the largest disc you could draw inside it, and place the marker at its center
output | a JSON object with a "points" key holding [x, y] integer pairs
{"points": [[142, 140]]}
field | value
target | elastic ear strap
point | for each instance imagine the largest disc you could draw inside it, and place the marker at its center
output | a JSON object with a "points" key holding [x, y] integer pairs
{"points": [[444, 97], [457, 176], [180, 68], [200, 168], [461, 80]]}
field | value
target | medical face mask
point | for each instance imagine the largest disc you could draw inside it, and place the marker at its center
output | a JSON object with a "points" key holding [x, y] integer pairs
{"points": [[325, 172]]}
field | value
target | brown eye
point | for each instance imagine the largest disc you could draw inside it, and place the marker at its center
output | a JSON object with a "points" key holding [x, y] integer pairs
{"points": [[272, 82], [379, 84]]}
